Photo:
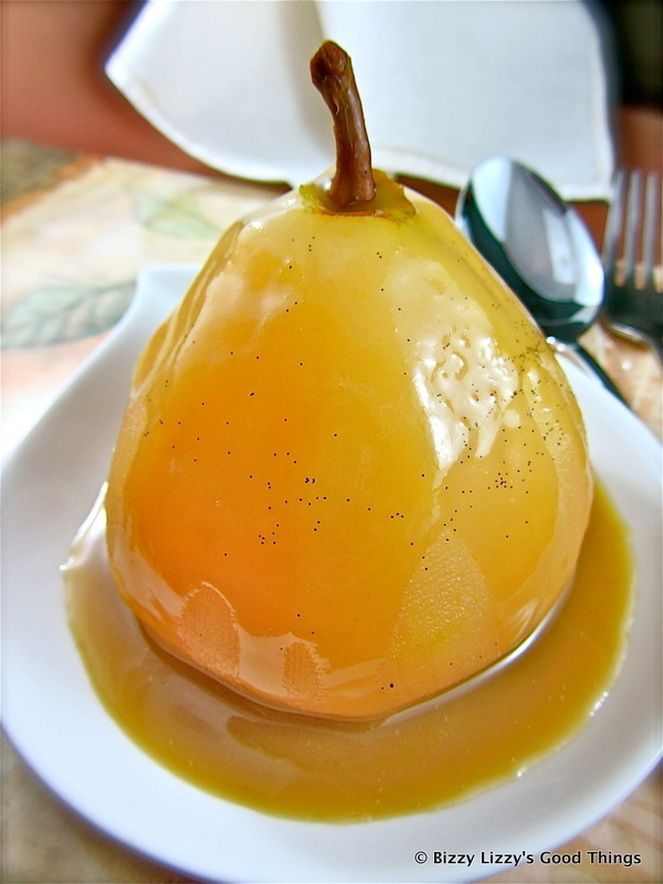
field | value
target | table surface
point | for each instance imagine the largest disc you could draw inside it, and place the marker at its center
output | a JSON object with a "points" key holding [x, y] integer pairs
{"points": [[76, 230]]}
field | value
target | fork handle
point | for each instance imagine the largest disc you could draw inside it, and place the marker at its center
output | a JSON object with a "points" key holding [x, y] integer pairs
{"points": [[654, 340], [656, 343], [591, 363]]}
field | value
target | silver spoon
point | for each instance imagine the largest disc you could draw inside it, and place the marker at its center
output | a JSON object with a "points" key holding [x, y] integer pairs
{"points": [[540, 247]]}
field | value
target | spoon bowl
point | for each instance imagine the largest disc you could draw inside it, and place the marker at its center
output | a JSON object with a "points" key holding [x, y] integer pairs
{"points": [[541, 249]]}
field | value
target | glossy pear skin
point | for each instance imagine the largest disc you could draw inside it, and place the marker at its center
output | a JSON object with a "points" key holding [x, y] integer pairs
{"points": [[351, 473]]}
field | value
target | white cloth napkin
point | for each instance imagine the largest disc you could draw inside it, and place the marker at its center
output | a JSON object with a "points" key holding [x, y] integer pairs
{"points": [[445, 84]]}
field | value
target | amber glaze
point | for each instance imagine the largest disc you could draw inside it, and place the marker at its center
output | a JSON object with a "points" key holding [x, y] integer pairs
{"points": [[351, 474]]}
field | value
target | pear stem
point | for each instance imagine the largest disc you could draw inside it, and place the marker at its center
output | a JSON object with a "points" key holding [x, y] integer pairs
{"points": [[332, 75]]}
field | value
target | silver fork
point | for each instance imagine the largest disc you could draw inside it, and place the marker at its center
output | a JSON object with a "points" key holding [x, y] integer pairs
{"points": [[633, 300]]}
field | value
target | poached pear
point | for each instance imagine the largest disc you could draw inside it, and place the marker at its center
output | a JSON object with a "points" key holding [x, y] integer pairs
{"points": [[351, 473]]}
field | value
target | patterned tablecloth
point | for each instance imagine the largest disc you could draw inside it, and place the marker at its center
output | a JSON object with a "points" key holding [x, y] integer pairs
{"points": [[76, 231]]}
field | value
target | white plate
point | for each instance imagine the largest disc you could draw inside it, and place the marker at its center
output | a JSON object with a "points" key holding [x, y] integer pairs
{"points": [[56, 722]]}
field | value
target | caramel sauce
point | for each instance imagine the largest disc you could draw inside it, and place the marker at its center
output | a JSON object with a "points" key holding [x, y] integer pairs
{"points": [[291, 765]]}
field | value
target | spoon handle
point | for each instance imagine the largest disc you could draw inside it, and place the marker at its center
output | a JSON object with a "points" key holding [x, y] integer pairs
{"points": [[591, 363]]}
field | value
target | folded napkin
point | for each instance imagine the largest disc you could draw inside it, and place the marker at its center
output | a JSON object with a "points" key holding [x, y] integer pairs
{"points": [[444, 86]]}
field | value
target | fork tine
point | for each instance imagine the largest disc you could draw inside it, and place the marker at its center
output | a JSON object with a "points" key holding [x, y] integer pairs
{"points": [[650, 227], [633, 209], [613, 225]]}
